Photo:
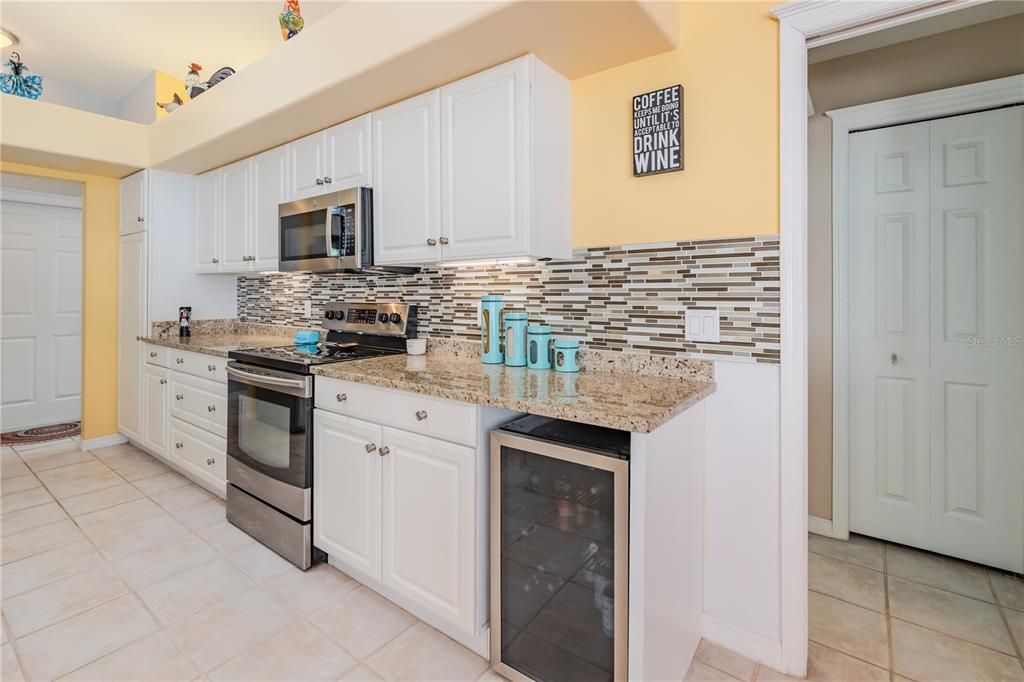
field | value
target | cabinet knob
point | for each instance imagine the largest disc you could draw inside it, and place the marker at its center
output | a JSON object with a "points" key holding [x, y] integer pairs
{"points": [[211, 408], [341, 397], [431, 242], [180, 361], [421, 415], [152, 353], [212, 368], [139, 219], [384, 450], [894, 358], [444, 240], [210, 461], [163, 381], [370, 447], [327, 180], [179, 445], [138, 338], [216, 260], [179, 397], [319, 181]]}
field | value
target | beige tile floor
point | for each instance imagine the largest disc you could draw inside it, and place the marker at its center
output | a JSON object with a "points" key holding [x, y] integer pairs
{"points": [[880, 611], [115, 568]]}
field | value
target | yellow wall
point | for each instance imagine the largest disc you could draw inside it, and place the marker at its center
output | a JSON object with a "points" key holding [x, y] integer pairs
{"points": [[727, 64], [100, 207]]}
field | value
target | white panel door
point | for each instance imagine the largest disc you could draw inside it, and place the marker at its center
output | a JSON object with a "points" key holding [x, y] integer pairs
{"points": [[888, 337], [209, 195], [347, 158], [270, 190], [977, 327], [156, 414], [429, 518], [306, 159], [133, 203], [485, 164], [132, 322], [40, 314], [407, 181], [346, 491], [236, 216]]}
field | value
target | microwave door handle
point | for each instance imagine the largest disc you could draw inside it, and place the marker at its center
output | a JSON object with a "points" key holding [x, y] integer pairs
{"points": [[327, 226]]}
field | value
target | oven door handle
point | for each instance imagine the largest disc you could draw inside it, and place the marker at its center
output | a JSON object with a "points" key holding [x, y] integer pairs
{"points": [[299, 387]]}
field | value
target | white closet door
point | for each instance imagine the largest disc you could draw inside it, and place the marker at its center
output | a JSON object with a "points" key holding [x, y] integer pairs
{"points": [[977, 326], [41, 314], [888, 337]]}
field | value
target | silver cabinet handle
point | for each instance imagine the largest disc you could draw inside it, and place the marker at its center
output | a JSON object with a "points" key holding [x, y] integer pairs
{"points": [[341, 397], [153, 353], [210, 461], [444, 240], [163, 381], [179, 397], [180, 361], [216, 260], [212, 368], [370, 447], [431, 242], [421, 415], [328, 180], [211, 408], [179, 445], [895, 358], [319, 181], [384, 450]]}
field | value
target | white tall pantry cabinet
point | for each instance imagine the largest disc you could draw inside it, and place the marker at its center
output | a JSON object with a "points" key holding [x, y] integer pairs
{"points": [[132, 323]]}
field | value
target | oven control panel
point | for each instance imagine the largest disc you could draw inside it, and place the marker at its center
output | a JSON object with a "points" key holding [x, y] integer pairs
{"points": [[390, 319]]}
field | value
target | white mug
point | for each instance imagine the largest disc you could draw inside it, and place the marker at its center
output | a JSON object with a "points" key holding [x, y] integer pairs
{"points": [[415, 346]]}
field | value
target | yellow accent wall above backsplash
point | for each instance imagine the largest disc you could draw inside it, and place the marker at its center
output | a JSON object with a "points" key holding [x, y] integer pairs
{"points": [[100, 206], [727, 63]]}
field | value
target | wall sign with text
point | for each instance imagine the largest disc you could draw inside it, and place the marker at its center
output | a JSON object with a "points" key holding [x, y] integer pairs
{"points": [[658, 131]]}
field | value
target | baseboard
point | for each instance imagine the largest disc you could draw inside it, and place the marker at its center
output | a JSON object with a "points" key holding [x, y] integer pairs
{"points": [[820, 526], [742, 641], [102, 441]]}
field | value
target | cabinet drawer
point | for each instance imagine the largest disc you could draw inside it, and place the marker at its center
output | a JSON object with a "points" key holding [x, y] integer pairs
{"points": [[156, 355], [429, 416], [199, 450], [198, 364], [200, 402]]}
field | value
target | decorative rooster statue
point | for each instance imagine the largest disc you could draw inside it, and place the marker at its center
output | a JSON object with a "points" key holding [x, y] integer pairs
{"points": [[193, 84], [17, 82], [172, 105], [290, 19]]}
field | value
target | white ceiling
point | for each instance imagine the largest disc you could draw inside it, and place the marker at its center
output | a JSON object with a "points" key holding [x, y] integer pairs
{"points": [[108, 47]]}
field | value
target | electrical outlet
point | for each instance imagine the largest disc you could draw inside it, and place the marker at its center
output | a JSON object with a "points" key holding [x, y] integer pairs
{"points": [[308, 309], [702, 325]]}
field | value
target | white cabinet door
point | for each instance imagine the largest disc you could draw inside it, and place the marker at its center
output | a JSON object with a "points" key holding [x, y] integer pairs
{"points": [[485, 164], [133, 203], [198, 451], [132, 322], [236, 216], [407, 181], [346, 491], [429, 516], [347, 158], [270, 189], [306, 158], [209, 194], [155, 426]]}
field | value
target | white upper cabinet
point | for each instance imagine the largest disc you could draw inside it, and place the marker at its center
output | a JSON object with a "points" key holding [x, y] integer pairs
{"points": [[406, 181], [306, 157], [270, 190], [347, 158], [209, 195], [133, 203], [236, 216], [485, 154]]}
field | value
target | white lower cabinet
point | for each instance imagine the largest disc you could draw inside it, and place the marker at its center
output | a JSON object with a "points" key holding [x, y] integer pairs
{"points": [[199, 451], [156, 386]]}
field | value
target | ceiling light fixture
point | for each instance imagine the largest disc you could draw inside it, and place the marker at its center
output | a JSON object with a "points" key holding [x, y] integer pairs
{"points": [[7, 39]]}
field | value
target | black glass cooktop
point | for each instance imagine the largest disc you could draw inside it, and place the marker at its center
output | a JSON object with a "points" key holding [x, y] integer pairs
{"points": [[301, 357]]}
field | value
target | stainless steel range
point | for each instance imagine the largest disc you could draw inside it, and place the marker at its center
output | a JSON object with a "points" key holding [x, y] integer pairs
{"points": [[270, 422]]}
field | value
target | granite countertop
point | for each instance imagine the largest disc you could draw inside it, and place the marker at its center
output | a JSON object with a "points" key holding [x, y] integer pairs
{"points": [[619, 400], [218, 344]]}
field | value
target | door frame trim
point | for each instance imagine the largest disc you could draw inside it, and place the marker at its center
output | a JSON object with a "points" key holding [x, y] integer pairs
{"points": [[961, 99]]}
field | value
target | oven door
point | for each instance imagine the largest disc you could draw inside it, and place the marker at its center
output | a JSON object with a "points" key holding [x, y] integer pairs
{"points": [[270, 435]]}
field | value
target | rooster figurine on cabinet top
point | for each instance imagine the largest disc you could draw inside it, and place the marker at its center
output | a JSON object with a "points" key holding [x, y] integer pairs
{"points": [[193, 85]]}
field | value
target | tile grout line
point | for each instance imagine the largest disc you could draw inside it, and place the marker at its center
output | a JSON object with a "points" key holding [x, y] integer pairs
{"points": [[888, 614], [1002, 615]]}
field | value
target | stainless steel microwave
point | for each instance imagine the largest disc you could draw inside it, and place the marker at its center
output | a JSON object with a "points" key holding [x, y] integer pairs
{"points": [[330, 233]]}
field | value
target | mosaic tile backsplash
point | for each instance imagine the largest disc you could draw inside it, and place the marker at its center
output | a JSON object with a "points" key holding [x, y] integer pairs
{"points": [[626, 298]]}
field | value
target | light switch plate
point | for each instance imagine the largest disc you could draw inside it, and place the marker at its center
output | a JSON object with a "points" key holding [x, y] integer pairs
{"points": [[702, 325]]}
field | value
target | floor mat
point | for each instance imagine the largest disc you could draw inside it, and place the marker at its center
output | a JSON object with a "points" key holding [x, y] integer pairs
{"points": [[40, 434]]}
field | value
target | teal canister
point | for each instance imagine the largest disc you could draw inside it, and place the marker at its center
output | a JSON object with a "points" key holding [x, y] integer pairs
{"points": [[538, 346], [567, 355], [515, 339], [492, 329]]}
